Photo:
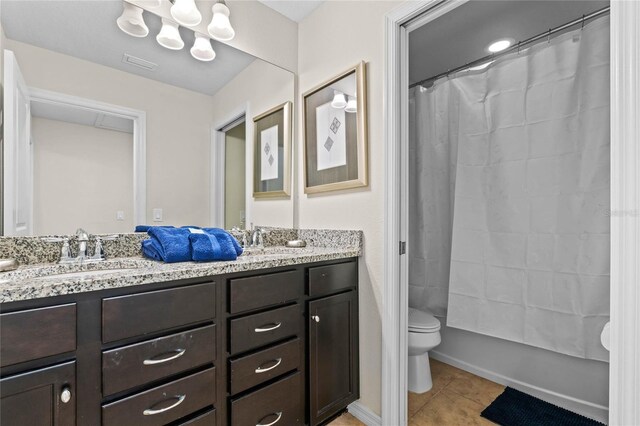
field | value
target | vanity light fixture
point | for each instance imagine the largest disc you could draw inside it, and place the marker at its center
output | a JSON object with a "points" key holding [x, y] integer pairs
{"points": [[151, 4], [202, 49], [132, 22], [352, 105], [220, 27], [500, 45], [185, 13], [169, 35], [339, 101]]}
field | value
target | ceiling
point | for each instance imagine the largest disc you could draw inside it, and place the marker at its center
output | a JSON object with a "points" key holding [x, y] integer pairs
{"points": [[83, 116], [462, 35], [296, 10], [88, 30]]}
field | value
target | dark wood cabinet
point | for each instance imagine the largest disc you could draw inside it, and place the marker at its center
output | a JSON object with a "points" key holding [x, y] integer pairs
{"points": [[333, 355], [235, 349], [42, 397]]}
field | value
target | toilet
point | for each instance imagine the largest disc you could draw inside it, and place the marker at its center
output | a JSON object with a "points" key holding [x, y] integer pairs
{"points": [[424, 335]]}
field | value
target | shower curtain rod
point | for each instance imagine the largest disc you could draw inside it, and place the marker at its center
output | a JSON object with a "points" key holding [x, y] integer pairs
{"points": [[515, 47]]}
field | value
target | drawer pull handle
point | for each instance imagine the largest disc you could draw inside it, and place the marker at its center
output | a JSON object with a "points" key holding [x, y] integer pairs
{"points": [[279, 414], [65, 395], [268, 328], [316, 318], [151, 411], [178, 354], [264, 370]]}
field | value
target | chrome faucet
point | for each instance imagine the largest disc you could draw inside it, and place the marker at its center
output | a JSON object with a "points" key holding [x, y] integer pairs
{"points": [[82, 255], [256, 237], [83, 239]]}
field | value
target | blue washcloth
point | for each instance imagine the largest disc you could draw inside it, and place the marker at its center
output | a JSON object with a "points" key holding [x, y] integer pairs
{"points": [[168, 244], [213, 244], [145, 228]]}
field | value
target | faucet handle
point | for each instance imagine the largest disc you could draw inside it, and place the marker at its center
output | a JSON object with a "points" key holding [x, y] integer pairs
{"points": [[65, 251]]}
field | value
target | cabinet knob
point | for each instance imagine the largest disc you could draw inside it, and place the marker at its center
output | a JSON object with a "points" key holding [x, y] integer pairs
{"points": [[65, 395], [315, 318]]}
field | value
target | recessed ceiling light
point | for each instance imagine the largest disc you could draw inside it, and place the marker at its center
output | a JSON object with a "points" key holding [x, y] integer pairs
{"points": [[500, 45]]}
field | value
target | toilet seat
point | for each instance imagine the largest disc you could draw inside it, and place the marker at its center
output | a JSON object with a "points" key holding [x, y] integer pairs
{"points": [[422, 321]]}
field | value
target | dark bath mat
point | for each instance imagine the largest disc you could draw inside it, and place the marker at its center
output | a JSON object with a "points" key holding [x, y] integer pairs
{"points": [[514, 408]]}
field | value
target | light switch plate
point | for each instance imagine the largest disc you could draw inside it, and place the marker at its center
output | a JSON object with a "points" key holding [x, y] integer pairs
{"points": [[120, 215], [157, 215]]}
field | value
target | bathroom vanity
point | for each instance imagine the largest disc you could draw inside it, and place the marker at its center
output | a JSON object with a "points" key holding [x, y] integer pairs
{"points": [[269, 339]]}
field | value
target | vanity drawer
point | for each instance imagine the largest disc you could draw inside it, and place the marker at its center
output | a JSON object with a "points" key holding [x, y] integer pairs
{"points": [[324, 280], [143, 313], [206, 419], [37, 333], [279, 403], [257, 330], [251, 370], [133, 365], [163, 404], [260, 291]]}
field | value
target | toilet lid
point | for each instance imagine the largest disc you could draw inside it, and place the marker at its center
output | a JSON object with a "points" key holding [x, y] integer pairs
{"points": [[422, 321]]}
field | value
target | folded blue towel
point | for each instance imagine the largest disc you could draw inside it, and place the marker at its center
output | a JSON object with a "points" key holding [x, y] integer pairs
{"points": [[209, 244], [145, 228], [168, 244]]}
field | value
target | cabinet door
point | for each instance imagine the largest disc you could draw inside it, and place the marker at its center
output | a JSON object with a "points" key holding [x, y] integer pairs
{"points": [[333, 355], [41, 397]]}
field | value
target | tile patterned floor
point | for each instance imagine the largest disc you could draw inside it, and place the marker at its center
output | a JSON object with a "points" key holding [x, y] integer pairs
{"points": [[456, 399]]}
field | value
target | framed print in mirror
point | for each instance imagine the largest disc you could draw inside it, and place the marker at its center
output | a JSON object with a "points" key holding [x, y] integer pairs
{"points": [[335, 133], [272, 153]]}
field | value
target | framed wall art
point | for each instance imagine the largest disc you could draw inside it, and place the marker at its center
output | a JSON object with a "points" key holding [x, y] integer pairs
{"points": [[335, 133], [272, 153]]}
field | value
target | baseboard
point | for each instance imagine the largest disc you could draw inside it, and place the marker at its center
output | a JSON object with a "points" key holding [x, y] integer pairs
{"points": [[585, 408], [364, 414]]}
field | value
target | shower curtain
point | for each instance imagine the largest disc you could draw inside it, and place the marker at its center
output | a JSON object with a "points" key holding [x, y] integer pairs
{"points": [[510, 185]]}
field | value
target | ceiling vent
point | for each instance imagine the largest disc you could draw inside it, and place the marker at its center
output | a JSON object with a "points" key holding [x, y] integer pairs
{"points": [[138, 62]]}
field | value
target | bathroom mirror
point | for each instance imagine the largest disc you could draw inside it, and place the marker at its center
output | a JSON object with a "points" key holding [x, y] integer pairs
{"points": [[109, 131]]}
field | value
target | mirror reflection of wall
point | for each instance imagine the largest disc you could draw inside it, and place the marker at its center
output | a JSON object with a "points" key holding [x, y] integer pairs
{"points": [[77, 155], [183, 100], [234, 176]]}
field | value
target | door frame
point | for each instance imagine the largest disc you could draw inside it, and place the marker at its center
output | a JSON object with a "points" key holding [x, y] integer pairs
{"points": [[139, 119], [624, 367], [217, 172]]}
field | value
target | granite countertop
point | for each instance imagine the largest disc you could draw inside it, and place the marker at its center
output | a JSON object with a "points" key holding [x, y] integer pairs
{"points": [[46, 280]]}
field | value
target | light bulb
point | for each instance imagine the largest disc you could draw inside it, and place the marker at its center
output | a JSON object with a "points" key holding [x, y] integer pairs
{"points": [[352, 105], [169, 35], [186, 13], [132, 22], [220, 27], [339, 101], [202, 49]]}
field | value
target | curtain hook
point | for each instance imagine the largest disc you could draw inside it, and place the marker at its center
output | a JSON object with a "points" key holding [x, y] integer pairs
{"points": [[520, 42], [549, 36], [582, 26]]}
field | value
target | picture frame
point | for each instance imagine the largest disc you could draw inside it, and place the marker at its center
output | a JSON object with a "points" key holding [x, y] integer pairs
{"points": [[272, 152], [335, 133]]}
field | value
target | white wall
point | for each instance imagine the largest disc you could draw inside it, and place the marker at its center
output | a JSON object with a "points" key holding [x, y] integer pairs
{"points": [[72, 164], [178, 126], [275, 86], [333, 38]]}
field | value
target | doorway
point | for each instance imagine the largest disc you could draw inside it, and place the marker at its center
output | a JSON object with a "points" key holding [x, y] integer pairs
{"points": [[624, 208], [235, 176]]}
